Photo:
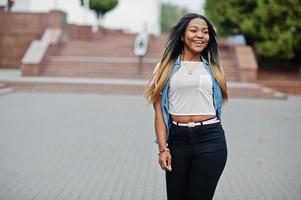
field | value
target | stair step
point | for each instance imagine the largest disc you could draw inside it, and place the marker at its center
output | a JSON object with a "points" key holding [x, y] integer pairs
{"points": [[112, 66], [99, 69], [122, 45], [103, 59], [95, 75], [110, 73], [119, 86], [292, 87]]}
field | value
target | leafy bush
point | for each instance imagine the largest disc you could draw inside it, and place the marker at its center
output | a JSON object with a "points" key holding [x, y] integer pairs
{"points": [[272, 26]]}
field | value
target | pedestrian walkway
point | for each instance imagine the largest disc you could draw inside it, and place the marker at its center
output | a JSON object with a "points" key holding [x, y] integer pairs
{"points": [[100, 147]]}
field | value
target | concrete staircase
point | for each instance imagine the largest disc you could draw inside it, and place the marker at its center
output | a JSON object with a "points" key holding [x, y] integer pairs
{"points": [[113, 57]]}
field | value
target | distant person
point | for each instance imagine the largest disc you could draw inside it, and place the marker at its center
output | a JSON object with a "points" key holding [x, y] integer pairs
{"points": [[10, 4], [187, 91]]}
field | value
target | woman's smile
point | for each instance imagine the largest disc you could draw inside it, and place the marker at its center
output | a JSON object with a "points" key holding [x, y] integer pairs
{"points": [[199, 42]]}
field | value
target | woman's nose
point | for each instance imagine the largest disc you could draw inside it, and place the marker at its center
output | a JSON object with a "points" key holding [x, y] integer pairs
{"points": [[200, 34]]}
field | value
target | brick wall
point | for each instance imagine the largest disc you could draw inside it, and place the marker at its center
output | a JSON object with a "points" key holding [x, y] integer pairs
{"points": [[79, 32], [17, 30]]}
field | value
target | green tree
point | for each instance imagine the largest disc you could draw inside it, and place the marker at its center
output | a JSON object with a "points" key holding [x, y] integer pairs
{"points": [[82, 2], [228, 14], [170, 14], [272, 26], [101, 7]]}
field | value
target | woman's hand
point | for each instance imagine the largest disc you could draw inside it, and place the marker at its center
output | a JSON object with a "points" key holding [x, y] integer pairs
{"points": [[165, 160]]}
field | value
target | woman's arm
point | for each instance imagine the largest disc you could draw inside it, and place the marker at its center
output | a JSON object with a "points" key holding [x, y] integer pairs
{"points": [[160, 128]]}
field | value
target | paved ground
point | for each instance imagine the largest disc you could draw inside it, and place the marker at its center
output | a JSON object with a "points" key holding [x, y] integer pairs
{"points": [[100, 147]]}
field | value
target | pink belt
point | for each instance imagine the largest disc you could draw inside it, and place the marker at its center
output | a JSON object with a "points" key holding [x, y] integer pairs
{"points": [[194, 124]]}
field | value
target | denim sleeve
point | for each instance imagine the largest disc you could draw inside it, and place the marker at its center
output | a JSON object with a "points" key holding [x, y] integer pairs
{"points": [[218, 99]]}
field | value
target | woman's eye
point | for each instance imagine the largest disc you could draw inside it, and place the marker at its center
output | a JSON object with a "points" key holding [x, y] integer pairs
{"points": [[193, 31]]}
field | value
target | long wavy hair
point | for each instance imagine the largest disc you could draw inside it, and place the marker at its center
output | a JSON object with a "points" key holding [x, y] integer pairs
{"points": [[174, 48]]}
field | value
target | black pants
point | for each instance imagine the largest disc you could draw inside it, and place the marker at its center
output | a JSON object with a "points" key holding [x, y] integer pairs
{"points": [[199, 156]]}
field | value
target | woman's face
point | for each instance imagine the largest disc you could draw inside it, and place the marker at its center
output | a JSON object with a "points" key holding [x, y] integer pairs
{"points": [[196, 36]]}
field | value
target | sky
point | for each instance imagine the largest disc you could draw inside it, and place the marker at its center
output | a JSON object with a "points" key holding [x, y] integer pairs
{"points": [[191, 5], [80, 15]]}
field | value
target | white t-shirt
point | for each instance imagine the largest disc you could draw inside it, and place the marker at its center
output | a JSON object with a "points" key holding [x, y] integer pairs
{"points": [[190, 91]]}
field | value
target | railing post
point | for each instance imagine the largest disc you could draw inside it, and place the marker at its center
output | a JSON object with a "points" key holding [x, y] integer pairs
{"points": [[140, 48]]}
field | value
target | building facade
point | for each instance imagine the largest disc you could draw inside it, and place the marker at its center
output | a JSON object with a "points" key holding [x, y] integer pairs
{"points": [[129, 15]]}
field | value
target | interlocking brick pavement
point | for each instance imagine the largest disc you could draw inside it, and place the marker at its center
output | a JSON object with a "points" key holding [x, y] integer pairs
{"points": [[100, 147]]}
